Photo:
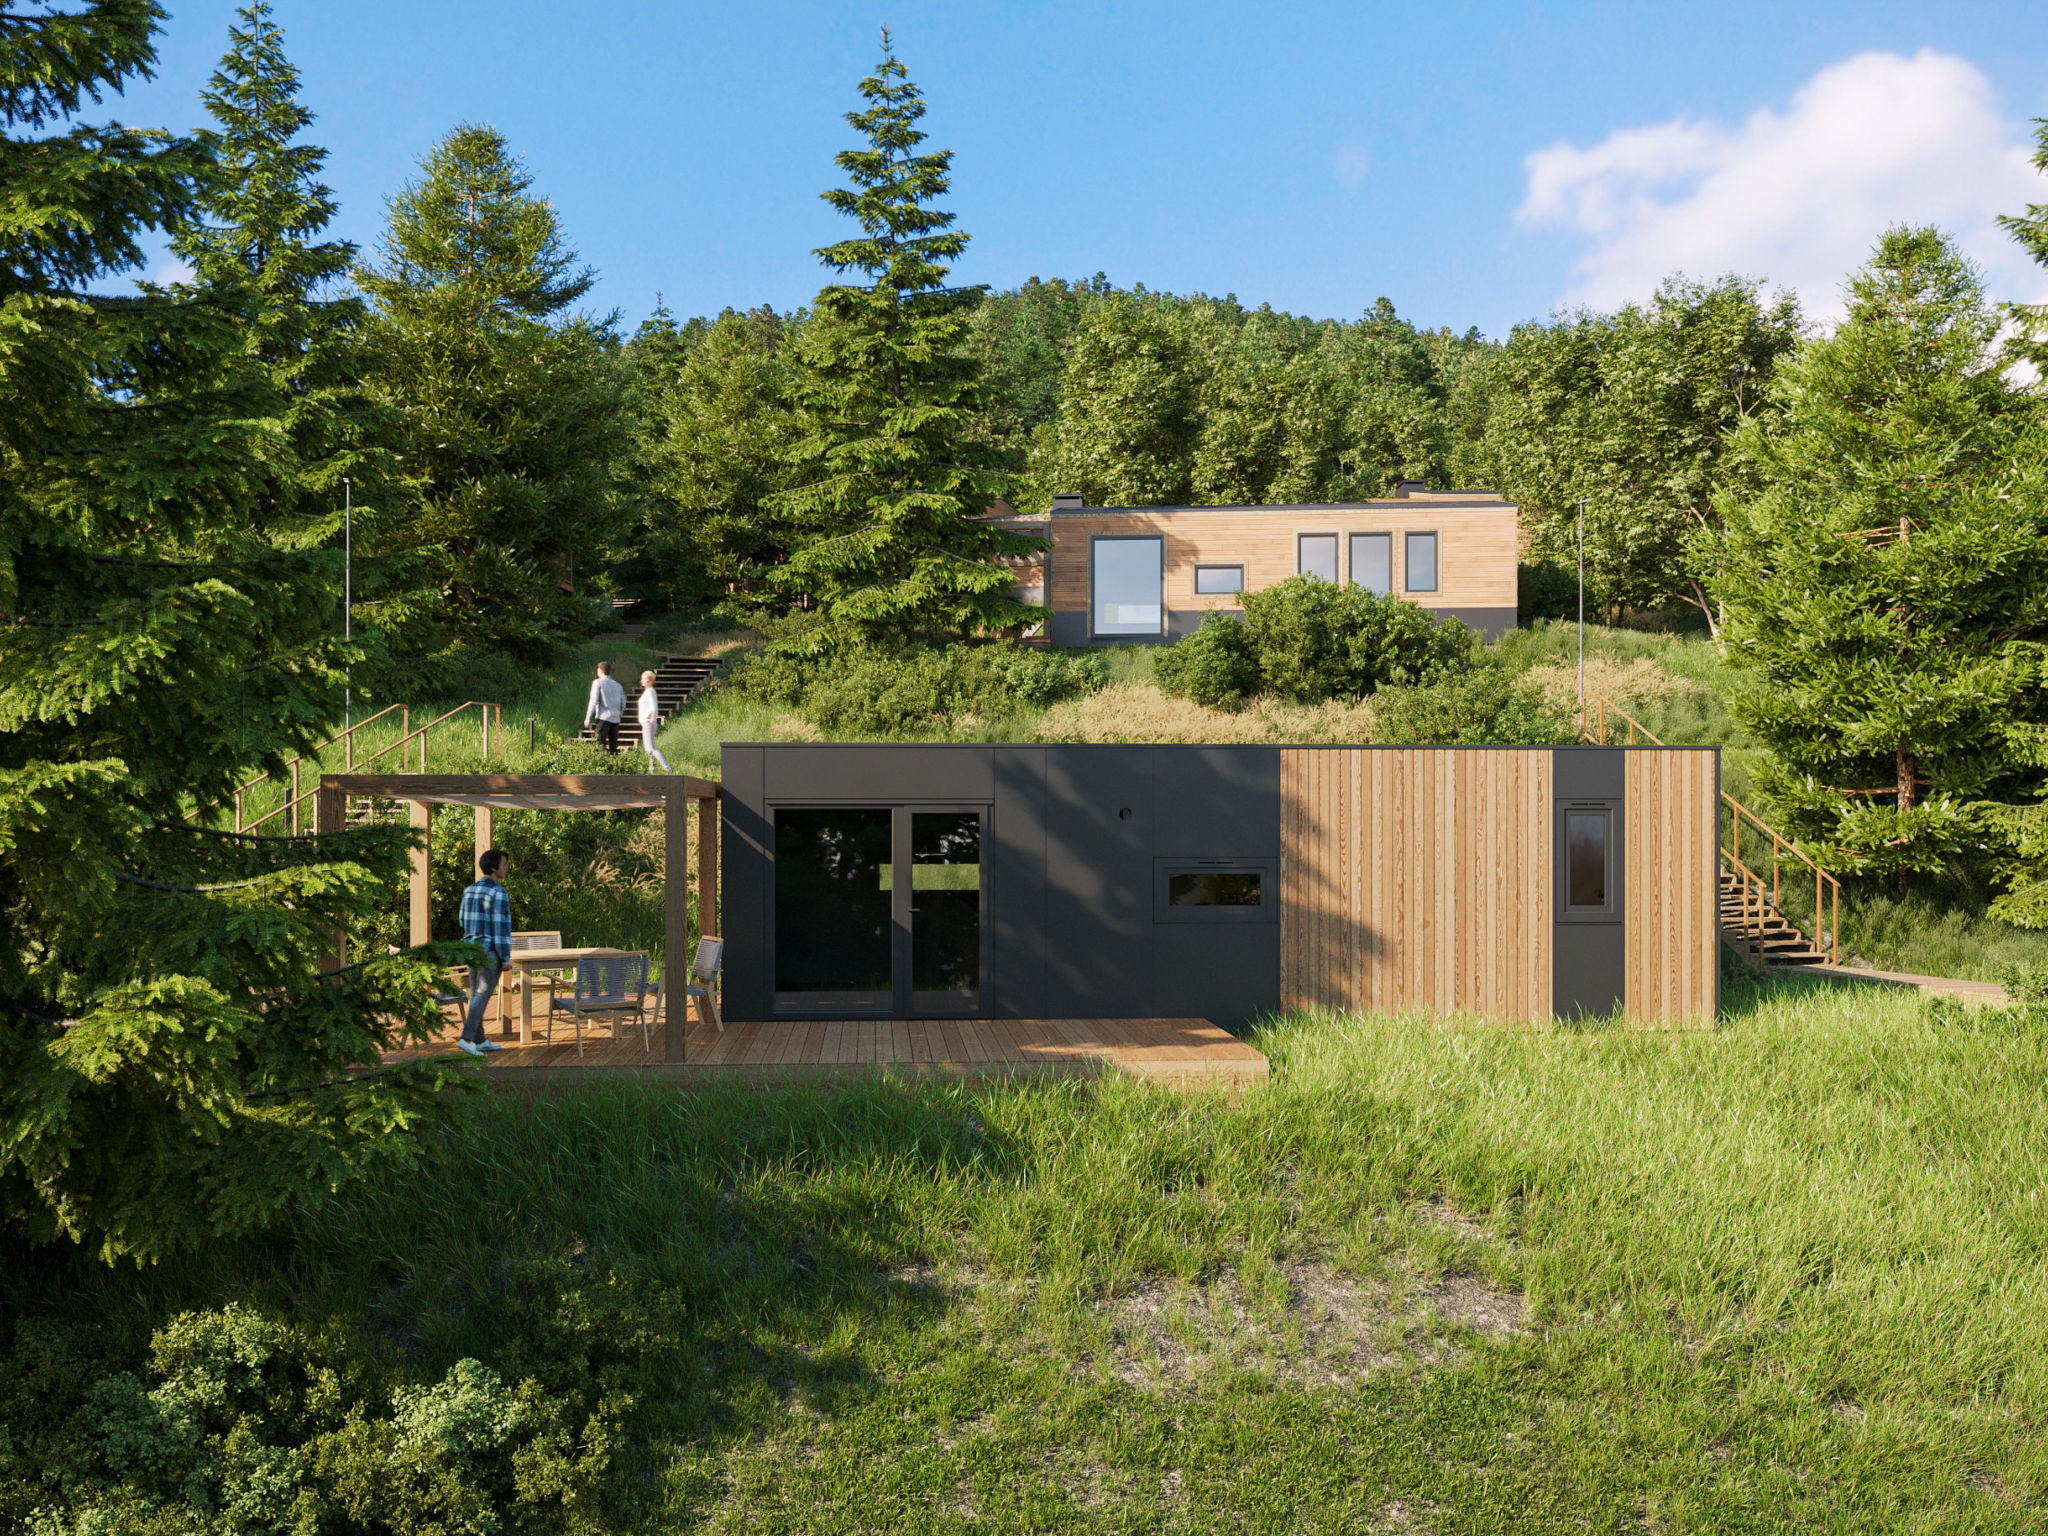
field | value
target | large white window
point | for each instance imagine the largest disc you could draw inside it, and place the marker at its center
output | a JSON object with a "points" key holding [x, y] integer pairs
{"points": [[1372, 562], [1318, 556], [1419, 560], [1127, 580]]}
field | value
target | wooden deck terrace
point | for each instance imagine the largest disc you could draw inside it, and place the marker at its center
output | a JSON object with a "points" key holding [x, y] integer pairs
{"points": [[1188, 1055]]}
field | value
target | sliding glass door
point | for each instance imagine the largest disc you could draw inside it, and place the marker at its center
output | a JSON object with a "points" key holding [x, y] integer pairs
{"points": [[880, 909]]}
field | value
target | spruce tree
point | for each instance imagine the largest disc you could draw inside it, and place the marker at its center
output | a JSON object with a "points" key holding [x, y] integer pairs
{"points": [[1886, 591], [891, 472], [517, 413], [172, 1065], [2030, 229], [255, 237]]}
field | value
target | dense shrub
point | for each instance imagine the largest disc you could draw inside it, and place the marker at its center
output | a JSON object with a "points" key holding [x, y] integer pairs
{"points": [[240, 1424], [915, 691], [1545, 591], [1213, 666], [1307, 640], [1483, 708]]}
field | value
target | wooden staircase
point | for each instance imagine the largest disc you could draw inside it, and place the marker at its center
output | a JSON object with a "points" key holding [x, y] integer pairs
{"points": [[1752, 920], [1752, 923], [676, 682]]}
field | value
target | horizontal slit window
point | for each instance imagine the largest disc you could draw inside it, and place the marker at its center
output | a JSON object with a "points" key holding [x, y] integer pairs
{"points": [[1218, 580], [1214, 888]]}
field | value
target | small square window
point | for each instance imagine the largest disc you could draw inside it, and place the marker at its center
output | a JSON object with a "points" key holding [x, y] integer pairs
{"points": [[1419, 557], [1218, 580], [1318, 556]]}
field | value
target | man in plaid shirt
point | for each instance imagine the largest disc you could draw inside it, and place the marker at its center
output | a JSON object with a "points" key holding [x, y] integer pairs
{"points": [[486, 920]]}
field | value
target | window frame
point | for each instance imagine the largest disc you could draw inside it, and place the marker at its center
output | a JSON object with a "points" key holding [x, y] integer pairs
{"points": [[1611, 910], [1236, 591], [1095, 539], [1436, 574], [1351, 558], [1336, 570], [1164, 911]]}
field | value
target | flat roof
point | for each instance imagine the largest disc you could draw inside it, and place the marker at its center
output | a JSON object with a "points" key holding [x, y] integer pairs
{"points": [[1388, 504]]}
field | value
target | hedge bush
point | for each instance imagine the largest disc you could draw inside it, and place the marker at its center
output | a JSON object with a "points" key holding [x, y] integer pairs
{"points": [[1307, 640], [915, 691], [1483, 708]]}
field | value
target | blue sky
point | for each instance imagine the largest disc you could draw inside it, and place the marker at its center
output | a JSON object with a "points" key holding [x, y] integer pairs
{"points": [[1478, 164]]}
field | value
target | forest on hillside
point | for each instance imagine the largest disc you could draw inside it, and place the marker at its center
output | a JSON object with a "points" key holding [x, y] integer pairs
{"points": [[314, 480]]}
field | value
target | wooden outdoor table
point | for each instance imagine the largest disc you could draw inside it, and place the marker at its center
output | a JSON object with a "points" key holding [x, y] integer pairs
{"points": [[527, 961]]}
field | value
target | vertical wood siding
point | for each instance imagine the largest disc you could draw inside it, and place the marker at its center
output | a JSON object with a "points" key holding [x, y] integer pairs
{"points": [[1416, 878], [1668, 888]]}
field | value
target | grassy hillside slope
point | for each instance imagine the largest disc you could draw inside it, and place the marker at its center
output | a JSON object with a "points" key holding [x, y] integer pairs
{"points": [[1793, 1273]]}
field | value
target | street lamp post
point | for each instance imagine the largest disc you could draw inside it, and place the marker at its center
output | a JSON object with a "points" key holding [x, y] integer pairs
{"points": [[348, 618], [1582, 615]]}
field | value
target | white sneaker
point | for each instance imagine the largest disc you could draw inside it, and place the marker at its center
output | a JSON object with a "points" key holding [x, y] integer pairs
{"points": [[469, 1047], [492, 1045]]}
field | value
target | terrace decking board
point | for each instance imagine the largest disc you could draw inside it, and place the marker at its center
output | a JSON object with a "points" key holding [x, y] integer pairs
{"points": [[1185, 1053]]}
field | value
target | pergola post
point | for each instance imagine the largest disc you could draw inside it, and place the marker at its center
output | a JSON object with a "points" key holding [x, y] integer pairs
{"points": [[421, 815], [708, 924], [675, 969], [330, 814], [483, 830]]}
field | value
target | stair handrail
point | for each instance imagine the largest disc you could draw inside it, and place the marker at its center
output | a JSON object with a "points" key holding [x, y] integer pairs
{"points": [[1827, 890], [490, 716]]}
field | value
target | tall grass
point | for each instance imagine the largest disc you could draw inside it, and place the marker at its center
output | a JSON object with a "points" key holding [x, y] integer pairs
{"points": [[1790, 1273]]}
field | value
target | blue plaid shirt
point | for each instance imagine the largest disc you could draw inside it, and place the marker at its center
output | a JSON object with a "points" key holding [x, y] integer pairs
{"points": [[487, 918]]}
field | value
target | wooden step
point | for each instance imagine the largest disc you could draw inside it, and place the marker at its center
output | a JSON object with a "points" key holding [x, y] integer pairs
{"points": [[676, 681]]}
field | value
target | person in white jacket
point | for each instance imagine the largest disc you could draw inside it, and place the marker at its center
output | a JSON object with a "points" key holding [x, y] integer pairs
{"points": [[607, 706], [650, 720]]}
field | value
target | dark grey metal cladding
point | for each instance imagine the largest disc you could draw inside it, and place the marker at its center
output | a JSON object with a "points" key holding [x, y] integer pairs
{"points": [[1590, 773], [824, 774], [1589, 951], [1075, 838], [1099, 815], [1068, 629], [1017, 904], [745, 849], [1490, 622]]}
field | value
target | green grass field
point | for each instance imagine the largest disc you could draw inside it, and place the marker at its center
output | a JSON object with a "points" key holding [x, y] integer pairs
{"points": [[1792, 1273]]}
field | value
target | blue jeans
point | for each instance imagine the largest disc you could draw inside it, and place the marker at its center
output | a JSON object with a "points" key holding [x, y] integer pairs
{"points": [[483, 981]]}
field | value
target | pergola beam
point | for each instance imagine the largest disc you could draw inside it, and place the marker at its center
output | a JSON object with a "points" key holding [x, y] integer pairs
{"points": [[562, 792]]}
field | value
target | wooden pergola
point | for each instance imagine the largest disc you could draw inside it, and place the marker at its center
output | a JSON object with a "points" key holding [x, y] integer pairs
{"points": [[489, 792]]}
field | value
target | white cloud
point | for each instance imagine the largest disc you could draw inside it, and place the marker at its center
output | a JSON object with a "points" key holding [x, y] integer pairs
{"points": [[171, 270], [1797, 196]]}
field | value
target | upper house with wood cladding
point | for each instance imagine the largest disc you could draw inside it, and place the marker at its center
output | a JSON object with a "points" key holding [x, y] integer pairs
{"points": [[1125, 575]]}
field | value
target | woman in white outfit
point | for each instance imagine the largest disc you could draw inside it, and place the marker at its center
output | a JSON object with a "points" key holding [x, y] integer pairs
{"points": [[650, 720]]}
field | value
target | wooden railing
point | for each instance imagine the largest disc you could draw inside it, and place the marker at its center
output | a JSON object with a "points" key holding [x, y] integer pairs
{"points": [[1761, 898], [490, 718]]}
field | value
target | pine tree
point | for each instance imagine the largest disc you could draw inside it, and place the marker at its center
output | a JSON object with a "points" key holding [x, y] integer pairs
{"points": [[518, 417], [256, 235], [1887, 589], [892, 473], [172, 1067], [2030, 229]]}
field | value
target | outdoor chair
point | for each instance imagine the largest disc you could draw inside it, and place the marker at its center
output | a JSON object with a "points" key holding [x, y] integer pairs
{"points": [[607, 985], [548, 981], [702, 982]]}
